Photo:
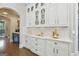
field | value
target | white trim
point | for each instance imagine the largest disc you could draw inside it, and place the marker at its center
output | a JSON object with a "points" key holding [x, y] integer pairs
{"points": [[76, 26]]}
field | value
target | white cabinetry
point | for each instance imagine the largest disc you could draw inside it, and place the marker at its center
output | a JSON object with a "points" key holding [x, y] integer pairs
{"points": [[55, 14], [28, 42], [49, 51], [30, 15], [62, 14], [55, 48], [33, 44], [32, 18], [60, 48], [48, 47], [50, 13], [38, 46], [41, 47]]}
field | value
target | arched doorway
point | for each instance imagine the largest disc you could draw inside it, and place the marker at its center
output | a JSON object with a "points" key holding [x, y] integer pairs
{"points": [[11, 20]]}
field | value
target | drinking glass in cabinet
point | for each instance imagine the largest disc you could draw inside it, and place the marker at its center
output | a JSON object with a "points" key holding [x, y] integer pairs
{"points": [[43, 21], [36, 5], [36, 21], [42, 4], [36, 16], [43, 16], [43, 11], [36, 13], [32, 8], [28, 9]]}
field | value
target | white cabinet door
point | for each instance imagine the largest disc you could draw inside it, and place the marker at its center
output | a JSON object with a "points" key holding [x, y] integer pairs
{"points": [[32, 43], [32, 16], [28, 15], [49, 48], [41, 47], [61, 49], [55, 48], [62, 14], [28, 43], [27, 21], [50, 14]]}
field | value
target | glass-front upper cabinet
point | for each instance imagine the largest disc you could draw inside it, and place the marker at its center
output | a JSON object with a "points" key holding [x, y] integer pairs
{"points": [[47, 14]]}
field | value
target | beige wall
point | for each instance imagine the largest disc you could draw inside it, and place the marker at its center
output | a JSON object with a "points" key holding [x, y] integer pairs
{"points": [[7, 28], [13, 25]]}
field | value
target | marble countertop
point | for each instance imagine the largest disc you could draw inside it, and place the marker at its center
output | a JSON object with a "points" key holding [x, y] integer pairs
{"points": [[67, 40]]}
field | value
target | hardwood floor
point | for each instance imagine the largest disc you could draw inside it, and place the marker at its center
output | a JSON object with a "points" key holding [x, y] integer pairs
{"points": [[13, 50]]}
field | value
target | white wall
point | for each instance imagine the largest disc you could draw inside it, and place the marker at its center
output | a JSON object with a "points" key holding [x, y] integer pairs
{"points": [[73, 26]]}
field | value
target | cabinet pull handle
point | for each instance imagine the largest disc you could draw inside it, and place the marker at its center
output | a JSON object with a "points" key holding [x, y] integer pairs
{"points": [[57, 51], [53, 50]]}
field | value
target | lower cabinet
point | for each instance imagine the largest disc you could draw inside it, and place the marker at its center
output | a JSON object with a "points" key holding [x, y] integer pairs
{"points": [[47, 47], [60, 49], [27, 42], [41, 47], [38, 46], [56, 48]]}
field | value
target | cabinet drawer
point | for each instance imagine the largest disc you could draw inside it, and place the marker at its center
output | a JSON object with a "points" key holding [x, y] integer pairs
{"points": [[62, 44]]}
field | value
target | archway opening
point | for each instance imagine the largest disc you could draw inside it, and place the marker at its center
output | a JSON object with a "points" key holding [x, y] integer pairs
{"points": [[11, 21]]}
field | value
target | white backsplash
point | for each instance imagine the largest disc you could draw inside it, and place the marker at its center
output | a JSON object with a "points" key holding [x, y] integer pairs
{"points": [[63, 32]]}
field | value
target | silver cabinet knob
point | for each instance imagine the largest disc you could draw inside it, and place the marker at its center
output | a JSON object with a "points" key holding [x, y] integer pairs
{"points": [[57, 51]]}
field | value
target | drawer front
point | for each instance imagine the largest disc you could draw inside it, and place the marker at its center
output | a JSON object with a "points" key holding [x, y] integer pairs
{"points": [[62, 44]]}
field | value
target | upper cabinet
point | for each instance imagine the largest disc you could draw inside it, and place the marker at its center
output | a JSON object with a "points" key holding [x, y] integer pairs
{"points": [[30, 14], [46, 15], [50, 14], [62, 14]]}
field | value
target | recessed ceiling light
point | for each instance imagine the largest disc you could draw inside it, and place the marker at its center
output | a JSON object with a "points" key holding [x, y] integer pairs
{"points": [[5, 13]]}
